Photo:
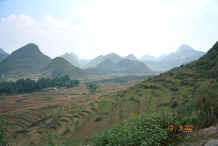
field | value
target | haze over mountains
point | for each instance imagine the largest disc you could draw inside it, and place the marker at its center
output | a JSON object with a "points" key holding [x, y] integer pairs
{"points": [[75, 60], [112, 57], [110, 63], [30, 60], [124, 66], [72, 58], [131, 57], [184, 54], [3, 54], [115, 64]]}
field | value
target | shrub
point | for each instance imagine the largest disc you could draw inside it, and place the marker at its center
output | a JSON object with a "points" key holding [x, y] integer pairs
{"points": [[145, 130], [92, 87], [3, 133], [98, 119], [174, 104]]}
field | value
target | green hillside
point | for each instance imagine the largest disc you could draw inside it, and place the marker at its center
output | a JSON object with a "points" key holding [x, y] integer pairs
{"points": [[186, 95], [141, 114], [208, 64], [60, 67], [25, 60]]}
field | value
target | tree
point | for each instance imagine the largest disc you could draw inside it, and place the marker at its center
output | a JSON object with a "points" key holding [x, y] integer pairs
{"points": [[92, 87]]}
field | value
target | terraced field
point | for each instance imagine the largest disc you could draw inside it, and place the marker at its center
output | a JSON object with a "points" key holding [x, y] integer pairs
{"points": [[64, 111]]}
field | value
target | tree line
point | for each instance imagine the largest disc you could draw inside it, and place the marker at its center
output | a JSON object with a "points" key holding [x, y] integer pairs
{"points": [[28, 85]]}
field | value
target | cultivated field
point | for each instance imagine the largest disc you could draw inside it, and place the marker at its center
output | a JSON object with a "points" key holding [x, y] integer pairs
{"points": [[69, 113]]}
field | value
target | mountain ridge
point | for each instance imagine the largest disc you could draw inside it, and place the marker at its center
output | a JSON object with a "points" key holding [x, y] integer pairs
{"points": [[183, 55], [97, 60], [60, 67], [124, 66], [3, 54], [25, 60], [72, 58]]}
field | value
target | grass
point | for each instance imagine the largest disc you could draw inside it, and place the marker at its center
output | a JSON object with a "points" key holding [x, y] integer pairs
{"points": [[46, 99], [64, 112]]}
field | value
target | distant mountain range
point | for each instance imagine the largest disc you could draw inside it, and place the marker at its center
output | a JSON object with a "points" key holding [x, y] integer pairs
{"points": [[148, 58], [96, 61], [124, 66], [72, 58], [115, 64], [131, 57], [30, 60], [25, 60], [183, 55], [75, 60], [3, 55]]}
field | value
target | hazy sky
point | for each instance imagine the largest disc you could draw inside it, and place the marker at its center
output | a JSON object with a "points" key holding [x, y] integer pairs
{"points": [[93, 27]]}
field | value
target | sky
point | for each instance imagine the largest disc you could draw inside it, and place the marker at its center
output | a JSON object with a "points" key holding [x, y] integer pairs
{"points": [[90, 28]]}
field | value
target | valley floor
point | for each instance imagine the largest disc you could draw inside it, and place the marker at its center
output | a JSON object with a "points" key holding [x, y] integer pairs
{"points": [[31, 117]]}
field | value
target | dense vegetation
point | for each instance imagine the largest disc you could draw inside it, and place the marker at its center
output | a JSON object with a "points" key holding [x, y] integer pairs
{"points": [[123, 79], [148, 130], [190, 91], [28, 85], [92, 87], [3, 133]]}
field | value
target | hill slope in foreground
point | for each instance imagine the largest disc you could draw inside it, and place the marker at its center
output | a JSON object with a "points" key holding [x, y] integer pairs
{"points": [[184, 95], [138, 115], [187, 95]]}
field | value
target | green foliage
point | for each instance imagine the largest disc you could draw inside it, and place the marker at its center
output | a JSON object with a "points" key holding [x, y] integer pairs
{"points": [[144, 130], [207, 65], [124, 79], [92, 87], [174, 89], [3, 133], [25, 86], [208, 107], [174, 104], [51, 139], [28, 85], [98, 119]]}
